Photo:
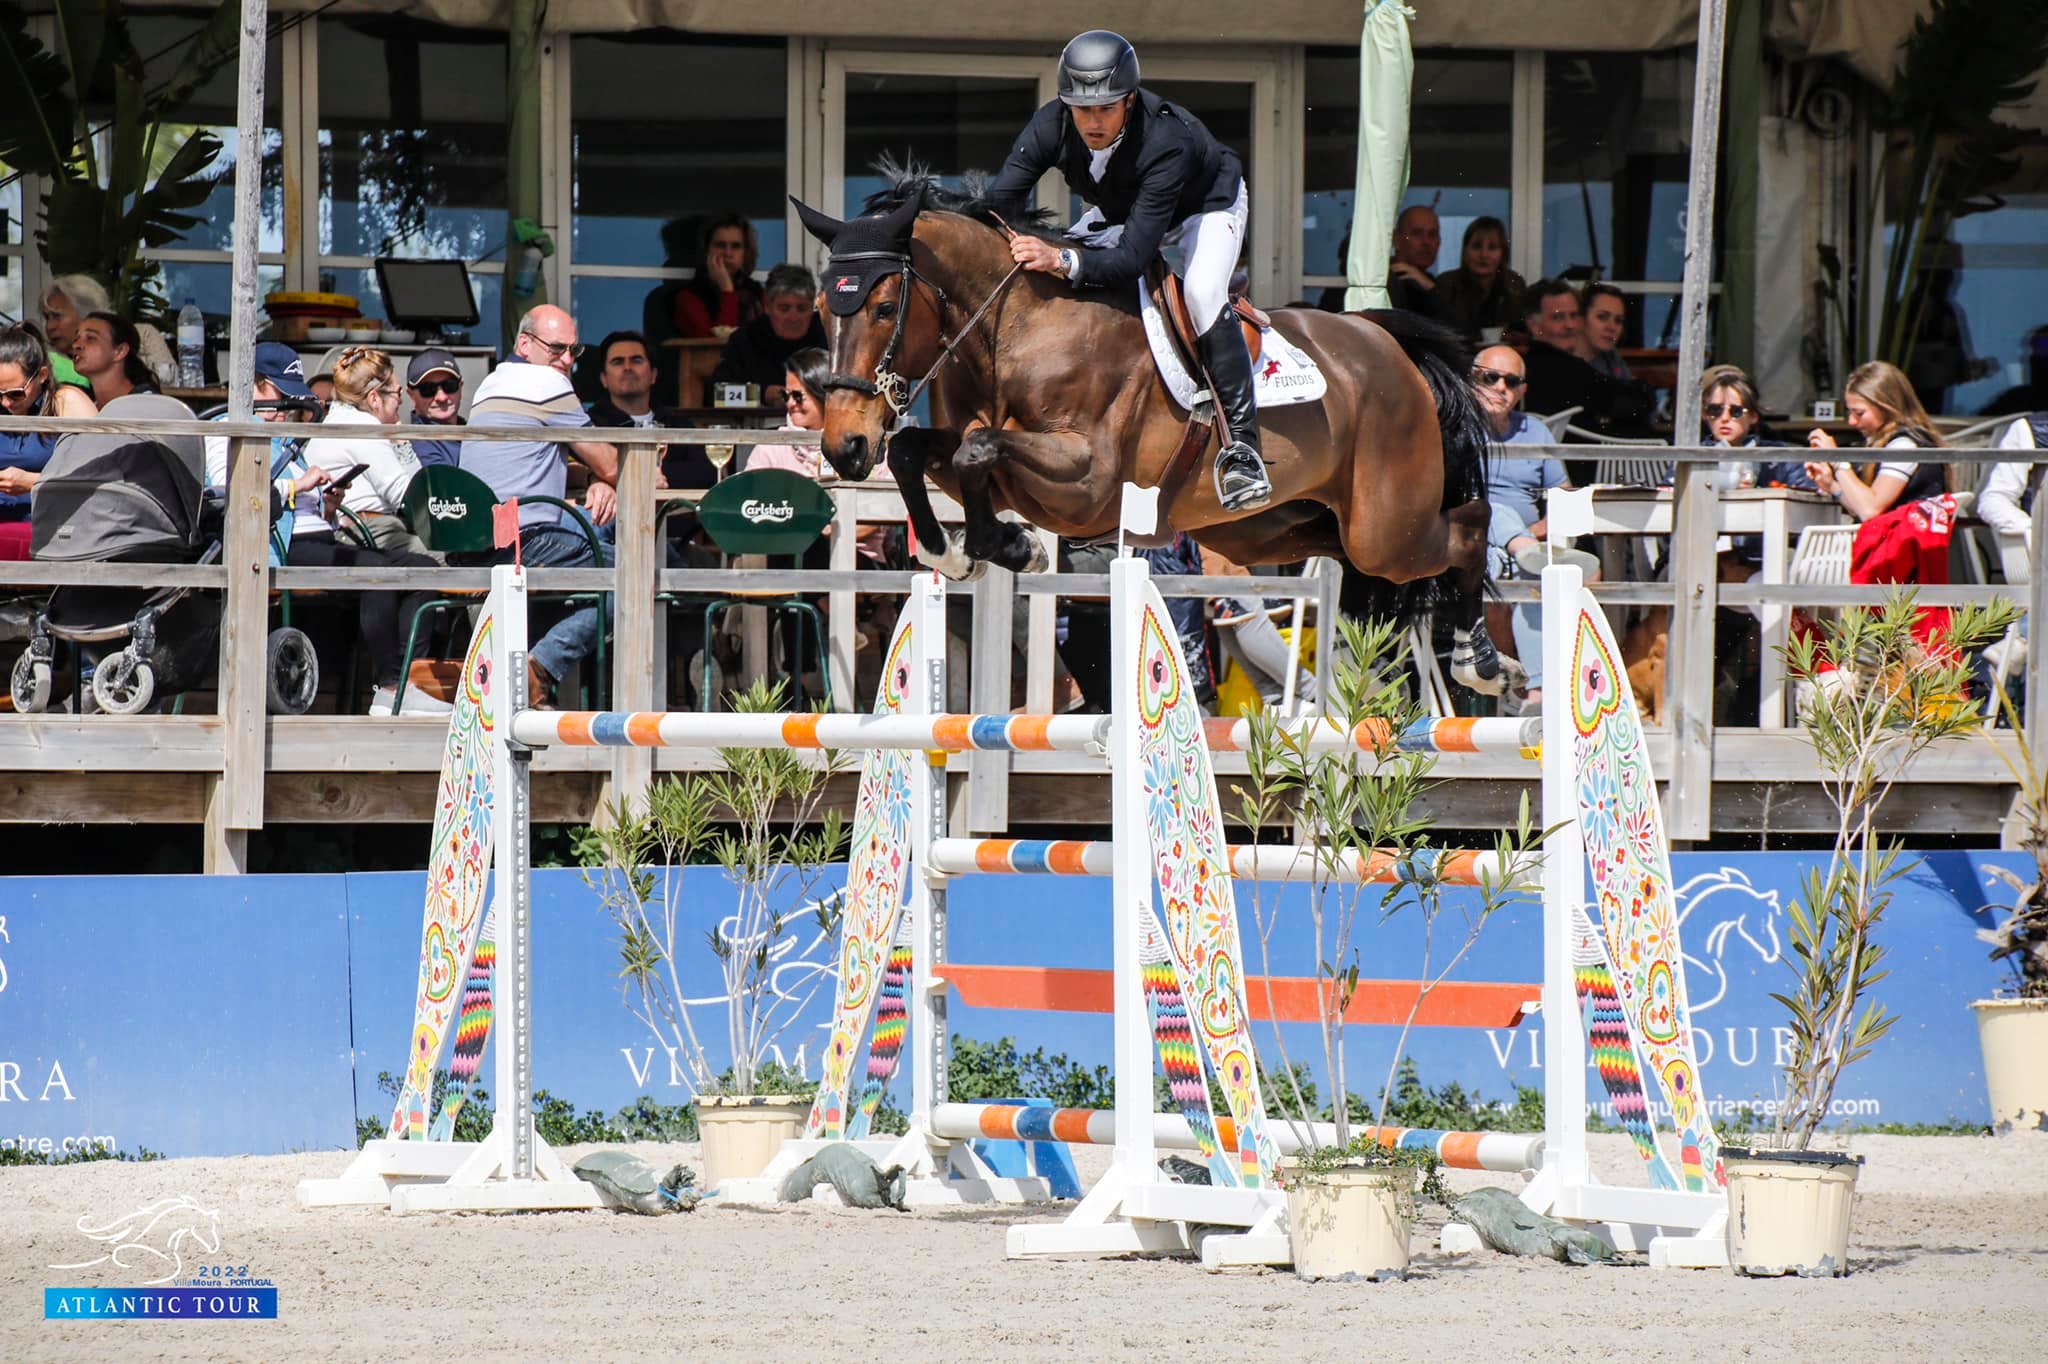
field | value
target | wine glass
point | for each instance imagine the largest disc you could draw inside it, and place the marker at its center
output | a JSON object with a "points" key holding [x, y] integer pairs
{"points": [[720, 456]]}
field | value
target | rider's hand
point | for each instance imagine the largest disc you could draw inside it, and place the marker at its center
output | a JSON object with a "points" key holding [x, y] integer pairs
{"points": [[1033, 254]]}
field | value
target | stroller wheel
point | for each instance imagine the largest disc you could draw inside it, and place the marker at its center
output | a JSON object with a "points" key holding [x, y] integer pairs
{"points": [[291, 672], [31, 683], [123, 683]]}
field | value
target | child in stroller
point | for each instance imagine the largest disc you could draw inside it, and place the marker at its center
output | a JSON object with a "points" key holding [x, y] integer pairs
{"points": [[138, 499]]}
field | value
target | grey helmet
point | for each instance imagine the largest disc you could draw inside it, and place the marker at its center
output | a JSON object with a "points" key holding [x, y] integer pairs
{"points": [[1099, 67]]}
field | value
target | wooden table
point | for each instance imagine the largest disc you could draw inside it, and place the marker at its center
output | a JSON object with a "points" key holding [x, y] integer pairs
{"points": [[1776, 514]]}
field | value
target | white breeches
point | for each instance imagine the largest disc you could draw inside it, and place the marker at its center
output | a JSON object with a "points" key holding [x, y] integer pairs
{"points": [[1210, 244]]}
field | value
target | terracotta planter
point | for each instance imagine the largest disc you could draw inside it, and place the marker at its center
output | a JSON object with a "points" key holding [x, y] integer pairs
{"points": [[1788, 1211], [1352, 1222], [741, 1135], [2014, 1034]]}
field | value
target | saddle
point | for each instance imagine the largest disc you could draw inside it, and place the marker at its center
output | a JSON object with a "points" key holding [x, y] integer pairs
{"points": [[1165, 286]]}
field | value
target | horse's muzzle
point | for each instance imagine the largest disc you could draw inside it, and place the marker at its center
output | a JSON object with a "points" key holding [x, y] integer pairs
{"points": [[853, 456]]}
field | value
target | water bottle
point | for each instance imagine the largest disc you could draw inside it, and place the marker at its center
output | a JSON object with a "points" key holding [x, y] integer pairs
{"points": [[191, 346]]}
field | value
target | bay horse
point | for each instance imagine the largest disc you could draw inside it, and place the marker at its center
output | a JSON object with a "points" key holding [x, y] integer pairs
{"points": [[1048, 401]]}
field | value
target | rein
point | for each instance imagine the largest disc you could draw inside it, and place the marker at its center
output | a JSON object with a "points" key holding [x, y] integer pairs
{"points": [[887, 384]]}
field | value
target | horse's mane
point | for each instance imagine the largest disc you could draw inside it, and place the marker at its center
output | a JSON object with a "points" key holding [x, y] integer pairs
{"points": [[913, 180]]}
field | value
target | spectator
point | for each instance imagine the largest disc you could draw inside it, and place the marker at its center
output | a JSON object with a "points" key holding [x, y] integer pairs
{"points": [[1516, 486], [1604, 310], [321, 386], [1482, 297], [107, 351], [27, 389], [1733, 416], [281, 396], [759, 352], [723, 296], [532, 390], [366, 394], [1559, 378], [626, 372], [2031, 396], [435, 383], [1418, 237], [802, 383], [69, 300], [2006, 499], [1886, 412]]}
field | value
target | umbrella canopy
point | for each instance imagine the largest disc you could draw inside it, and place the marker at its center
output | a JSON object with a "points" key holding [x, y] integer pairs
{"points": [[1386, 68]]}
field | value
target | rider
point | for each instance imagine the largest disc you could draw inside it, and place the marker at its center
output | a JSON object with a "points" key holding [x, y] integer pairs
{"points": [[1154, 175]]}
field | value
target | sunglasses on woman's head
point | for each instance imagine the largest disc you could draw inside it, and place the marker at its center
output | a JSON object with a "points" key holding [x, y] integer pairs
{"points": [[1716, 411], [1487, 378]]}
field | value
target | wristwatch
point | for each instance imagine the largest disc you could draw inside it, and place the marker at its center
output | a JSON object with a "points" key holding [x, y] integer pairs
{"points": [[1070, 264]]}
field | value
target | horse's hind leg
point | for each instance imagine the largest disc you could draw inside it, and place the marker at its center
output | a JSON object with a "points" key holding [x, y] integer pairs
{"points": [[1002, 543]]}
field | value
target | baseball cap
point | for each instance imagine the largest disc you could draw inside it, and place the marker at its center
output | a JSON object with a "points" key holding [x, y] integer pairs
{"points": [[431, 361], [281, 365]]}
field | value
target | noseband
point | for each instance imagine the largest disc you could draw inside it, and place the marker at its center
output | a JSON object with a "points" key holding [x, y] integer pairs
{"points": [[887, 384]]}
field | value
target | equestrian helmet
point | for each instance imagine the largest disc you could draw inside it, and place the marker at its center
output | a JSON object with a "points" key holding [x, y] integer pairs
{"points": [[1099, 67]]}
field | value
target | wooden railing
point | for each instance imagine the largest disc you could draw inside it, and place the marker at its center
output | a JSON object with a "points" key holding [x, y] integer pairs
{"points": [[235, 770]]}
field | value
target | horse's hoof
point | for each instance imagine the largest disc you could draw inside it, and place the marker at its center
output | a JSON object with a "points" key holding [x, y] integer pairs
{"points": [[1037, 560], [1476, 666], [954, 563]]}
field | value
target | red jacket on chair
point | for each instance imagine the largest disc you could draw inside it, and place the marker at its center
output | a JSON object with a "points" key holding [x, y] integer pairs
{"points": [[1908, 544]]}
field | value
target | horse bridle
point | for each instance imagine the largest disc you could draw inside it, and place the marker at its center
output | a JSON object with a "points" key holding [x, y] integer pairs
{"points": [[887, 384]]}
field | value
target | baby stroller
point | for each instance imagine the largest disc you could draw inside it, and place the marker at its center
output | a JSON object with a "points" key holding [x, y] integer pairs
{"points": [[138, 499]]}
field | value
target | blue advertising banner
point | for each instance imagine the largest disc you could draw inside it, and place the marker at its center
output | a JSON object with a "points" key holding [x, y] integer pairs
{"points": [[196, 1015]]}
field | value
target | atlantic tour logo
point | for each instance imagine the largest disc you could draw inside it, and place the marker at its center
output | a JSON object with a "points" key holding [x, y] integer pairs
{"points": [[163, 1244], [767, 513]]}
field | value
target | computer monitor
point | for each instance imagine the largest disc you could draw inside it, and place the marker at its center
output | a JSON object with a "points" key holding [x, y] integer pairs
{"points": [[428, 294]]}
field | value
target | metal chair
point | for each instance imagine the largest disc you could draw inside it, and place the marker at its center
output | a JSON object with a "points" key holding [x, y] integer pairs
{"points": [[450, 511], [767, 511]]}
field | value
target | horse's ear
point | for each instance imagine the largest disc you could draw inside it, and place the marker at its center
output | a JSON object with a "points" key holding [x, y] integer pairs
{"points": [[901, 219], [817, 224]]}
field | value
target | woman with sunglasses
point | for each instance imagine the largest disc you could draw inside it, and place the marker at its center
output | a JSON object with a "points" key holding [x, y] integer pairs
{"points": [[803, 385], [1732, 414], [28, 390]]}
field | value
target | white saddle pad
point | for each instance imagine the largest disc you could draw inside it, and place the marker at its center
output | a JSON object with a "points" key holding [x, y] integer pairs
{"points": [[1285, 374]]}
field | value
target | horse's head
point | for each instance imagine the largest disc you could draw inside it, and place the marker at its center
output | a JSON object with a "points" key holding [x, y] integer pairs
{"points": [[884, 332]]}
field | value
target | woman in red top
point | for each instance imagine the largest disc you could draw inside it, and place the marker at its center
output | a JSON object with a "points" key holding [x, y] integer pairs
{"points": [[724, 295]]}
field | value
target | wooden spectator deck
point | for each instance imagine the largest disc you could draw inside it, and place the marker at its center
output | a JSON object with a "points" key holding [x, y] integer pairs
{"points": [[240, 770]]}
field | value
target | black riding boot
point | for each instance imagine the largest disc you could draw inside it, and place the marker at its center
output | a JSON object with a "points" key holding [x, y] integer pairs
{"points": [[1240, 469]]}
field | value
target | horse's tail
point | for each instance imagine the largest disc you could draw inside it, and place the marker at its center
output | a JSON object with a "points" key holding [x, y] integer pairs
{"points": [[1446, 363]]}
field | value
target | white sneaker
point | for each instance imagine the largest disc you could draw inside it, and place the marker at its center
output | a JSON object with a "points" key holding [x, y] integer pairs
{"points": [[419, 702]]}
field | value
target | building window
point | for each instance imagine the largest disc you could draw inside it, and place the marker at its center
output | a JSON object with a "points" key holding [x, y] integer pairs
{"points": [[412, 151], [1460, 150], [1617, 134], [1982, 345], [200, 264], [13, 248], [670, 133]]}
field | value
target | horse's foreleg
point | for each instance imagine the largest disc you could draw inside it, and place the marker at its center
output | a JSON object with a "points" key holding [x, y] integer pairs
{"points": [[1002, 543], [912, 451]]}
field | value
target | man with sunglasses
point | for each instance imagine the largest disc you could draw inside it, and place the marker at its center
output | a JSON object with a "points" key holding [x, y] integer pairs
{"points": [[434, 384], [1516, 485], [531, 390]]}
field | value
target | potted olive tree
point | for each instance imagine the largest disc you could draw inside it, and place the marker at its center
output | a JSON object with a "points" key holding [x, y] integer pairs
{"points": [[1351, 1200], [1883, 690], [760, 820], [2012, 1026]]}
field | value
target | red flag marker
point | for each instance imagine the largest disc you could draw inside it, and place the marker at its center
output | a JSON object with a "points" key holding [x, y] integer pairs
{"points": [[505, 526]]}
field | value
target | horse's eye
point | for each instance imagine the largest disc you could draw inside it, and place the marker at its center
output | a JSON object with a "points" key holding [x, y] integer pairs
{"points": [[883, 311]]}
